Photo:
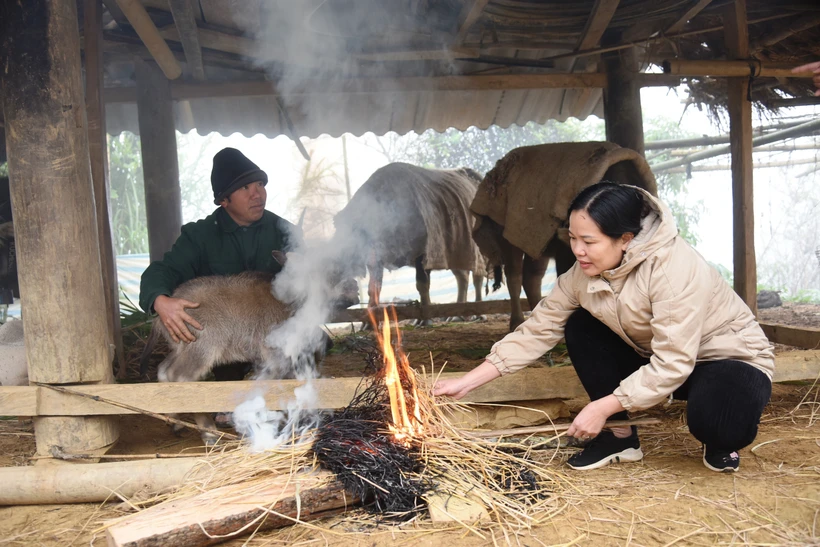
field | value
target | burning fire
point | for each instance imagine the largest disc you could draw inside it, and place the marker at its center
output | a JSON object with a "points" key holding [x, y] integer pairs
{"points": [[406, 414]]}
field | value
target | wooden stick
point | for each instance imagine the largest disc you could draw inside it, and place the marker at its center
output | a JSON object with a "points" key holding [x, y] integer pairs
{"points": [[165, 419], [59, 454], [555, 428]]}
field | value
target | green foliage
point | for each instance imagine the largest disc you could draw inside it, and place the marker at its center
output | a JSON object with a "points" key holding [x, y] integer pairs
{"points": [[4, 169], [128, 220], [803, 296]]}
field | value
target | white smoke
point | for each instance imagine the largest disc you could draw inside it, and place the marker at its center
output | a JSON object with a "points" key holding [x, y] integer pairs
{"points": [[309, 284]]}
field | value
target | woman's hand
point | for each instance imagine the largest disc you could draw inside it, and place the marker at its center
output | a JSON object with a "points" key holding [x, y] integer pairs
{"points": [[459, 387], [590, 421]]}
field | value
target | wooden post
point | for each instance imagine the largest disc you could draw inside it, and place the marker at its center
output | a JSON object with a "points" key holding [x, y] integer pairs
{"points": [[740, 141], [55, 224], [622, 99], [98, 150], [160, 167]]}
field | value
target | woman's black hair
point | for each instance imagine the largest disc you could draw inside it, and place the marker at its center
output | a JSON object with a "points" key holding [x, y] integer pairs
{"points": [[615, 208]]}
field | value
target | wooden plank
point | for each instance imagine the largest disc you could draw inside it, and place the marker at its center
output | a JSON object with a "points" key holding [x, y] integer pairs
{"points": [[148, 33], [792, 366], [687, 16], [183, 12], [736, 35], [435, 310], [158, 143], [470, 12], [598, 21], [98, 153], [495, 82], [800, 337], [233, 511], [192, 397]]}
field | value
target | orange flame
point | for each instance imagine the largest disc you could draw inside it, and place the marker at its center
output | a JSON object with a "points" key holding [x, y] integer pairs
{"points": [[406, 414]]}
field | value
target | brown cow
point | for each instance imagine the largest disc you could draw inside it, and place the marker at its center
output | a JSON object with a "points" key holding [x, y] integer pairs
{"points": [[522, 207]]}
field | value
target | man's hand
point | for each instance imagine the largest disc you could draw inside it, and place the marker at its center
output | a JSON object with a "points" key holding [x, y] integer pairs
{"points": [[590, 421], [814, 68], [172, 313]]}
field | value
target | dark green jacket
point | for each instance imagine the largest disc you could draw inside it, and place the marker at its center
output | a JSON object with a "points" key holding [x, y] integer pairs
{"points": [[216, 245]]}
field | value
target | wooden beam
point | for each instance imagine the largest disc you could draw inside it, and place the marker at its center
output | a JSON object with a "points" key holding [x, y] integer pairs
{"points": [[116, 13], [53, 200], [183, 12], [495, 82], [98, 151], [233, 511], [470, 12], [682, 67], [150, 36], [598, 21], [736, 37], [800, 337], [193, 397], [687, 16], [163, 201], [435, 310]]}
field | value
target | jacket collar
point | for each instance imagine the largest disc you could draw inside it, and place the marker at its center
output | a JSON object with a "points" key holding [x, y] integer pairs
{"points": [[227, 224]]}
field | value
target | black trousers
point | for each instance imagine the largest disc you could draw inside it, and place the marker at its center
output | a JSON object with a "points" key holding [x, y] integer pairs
{"points": [[725, 398]]}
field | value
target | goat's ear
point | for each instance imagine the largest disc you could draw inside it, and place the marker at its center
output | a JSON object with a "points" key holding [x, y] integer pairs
{"points": [[280, 257]]}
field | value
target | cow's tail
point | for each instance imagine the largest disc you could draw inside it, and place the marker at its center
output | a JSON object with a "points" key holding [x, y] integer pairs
{"points": [[145, 358], [497, 277]]}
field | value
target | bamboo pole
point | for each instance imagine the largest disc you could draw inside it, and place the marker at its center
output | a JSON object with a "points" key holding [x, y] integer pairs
{"points": [[150, 36], [740, 69], [792, 132], [89, 482]]}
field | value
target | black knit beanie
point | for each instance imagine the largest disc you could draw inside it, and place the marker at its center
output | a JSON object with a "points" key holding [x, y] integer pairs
{"points": [[232, 170]]}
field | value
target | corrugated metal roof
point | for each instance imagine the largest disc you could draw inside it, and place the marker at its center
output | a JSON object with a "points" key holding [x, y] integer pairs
{"points": [[287, 43]]}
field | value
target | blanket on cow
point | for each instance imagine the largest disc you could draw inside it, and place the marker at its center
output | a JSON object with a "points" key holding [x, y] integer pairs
{"points": [[403, 211], [530, 189]]}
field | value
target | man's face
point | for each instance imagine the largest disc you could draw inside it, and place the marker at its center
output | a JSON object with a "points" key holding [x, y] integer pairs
{"points": [[247, 204]]}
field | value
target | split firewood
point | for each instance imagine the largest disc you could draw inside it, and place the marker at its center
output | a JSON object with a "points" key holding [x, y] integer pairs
{"points": [[233, 511]]}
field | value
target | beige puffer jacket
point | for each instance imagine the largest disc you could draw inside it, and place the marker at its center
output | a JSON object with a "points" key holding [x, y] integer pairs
{"points": [[664, 300]]}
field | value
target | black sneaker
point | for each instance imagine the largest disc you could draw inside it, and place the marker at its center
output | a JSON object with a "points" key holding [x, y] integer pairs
{"points": [[720, 460], [605, 449]]}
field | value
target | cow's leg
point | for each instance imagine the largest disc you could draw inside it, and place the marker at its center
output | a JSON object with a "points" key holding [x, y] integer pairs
{"points": [[423, 286], [533, 274], [562, 254], [374, 287], [462, 281], [478, 285], [513, 258]]}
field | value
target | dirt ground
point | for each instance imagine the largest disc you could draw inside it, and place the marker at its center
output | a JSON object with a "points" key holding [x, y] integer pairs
{"points": [[668, 498]]}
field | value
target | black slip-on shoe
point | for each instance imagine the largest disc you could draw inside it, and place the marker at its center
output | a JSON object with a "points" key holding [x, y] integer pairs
{"points": [[605, 449], [721, 461]]}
